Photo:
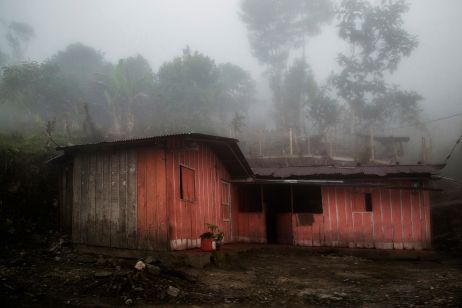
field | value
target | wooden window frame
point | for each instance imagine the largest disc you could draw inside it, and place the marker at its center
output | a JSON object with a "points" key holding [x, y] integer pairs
{"points": [[360, 200], [368, 203], [243, 200], [180, 173], [223, 204], [307, 203]]}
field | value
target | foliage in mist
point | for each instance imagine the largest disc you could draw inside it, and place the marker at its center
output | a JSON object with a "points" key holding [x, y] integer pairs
{"points": [[378, 43], [277, 28], [356, 97], [87, 97], [17, 36], [27, 188], [278, 33]]}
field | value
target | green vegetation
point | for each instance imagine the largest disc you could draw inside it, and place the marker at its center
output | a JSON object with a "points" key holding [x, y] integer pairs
{"points": [[28, 190]]}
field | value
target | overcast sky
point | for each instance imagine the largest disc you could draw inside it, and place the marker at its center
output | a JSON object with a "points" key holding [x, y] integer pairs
{"points": [[159, 30]]}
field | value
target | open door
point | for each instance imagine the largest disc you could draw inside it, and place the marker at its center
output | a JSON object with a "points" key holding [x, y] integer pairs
{"points": [[277, 200]]}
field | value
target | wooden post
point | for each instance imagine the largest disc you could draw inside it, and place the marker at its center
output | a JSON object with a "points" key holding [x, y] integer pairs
{"points": [[429, 148], [332, 142], [292, 213], [395, 151], [309, 145], [423, 151], [330, 145], [263, 208], [371, 140], [259, 144], [291, 151]]}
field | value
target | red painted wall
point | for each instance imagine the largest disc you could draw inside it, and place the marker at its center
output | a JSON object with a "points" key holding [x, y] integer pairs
{"points": [[187, 219], [165, 221], [152, 224], [248, 227], [399, 220]]}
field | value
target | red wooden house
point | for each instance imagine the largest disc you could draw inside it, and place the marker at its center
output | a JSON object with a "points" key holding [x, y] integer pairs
{"points": [[158, 193]]}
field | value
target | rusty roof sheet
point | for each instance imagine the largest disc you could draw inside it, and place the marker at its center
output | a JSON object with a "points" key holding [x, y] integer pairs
{"points": [[342, 171]]}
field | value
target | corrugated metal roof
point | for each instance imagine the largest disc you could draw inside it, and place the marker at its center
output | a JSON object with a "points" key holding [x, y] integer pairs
{"points": [[341, 171], [278, 168], [225, 148], [290, 161], [144, 140]]}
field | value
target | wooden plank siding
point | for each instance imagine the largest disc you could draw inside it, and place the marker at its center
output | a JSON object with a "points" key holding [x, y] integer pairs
{"points": [[101, 199], [152, 202], [248, 227], [131, 198], [398, 220], [187, 218]]}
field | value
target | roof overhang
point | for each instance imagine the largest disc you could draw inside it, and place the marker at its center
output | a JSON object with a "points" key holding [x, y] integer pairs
{"points": [[225, 148]]}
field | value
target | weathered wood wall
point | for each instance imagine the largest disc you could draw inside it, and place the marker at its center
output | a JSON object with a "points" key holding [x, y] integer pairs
{"points": [[187, 219], [152, 199], [104, 199], [400, 220]]}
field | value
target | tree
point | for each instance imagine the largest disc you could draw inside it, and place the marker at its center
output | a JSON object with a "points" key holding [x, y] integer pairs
{"points": [[18, 36], [298, 88], [79, 60], [126, 92], [188, 87], [197, 94], [277, 29], [4, 59], [85, 67], [323, 112], [378, 43], [34, 93], [38, 89], [237, 123], [237, 91]]}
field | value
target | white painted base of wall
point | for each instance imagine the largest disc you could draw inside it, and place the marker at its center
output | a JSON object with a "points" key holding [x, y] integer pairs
{"points": [[182, 244]]}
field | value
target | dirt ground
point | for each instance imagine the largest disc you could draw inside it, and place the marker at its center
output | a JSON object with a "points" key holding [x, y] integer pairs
{"points": [[274, 276]]}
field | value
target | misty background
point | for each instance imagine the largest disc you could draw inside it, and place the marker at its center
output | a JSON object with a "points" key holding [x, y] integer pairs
{"points": [[168, 36]]}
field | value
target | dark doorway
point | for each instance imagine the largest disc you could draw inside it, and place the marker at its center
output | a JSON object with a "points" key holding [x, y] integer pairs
{"points": [[278, 207]]}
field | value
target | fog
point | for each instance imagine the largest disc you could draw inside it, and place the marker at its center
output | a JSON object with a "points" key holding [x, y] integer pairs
{"points": [[160, 30]]}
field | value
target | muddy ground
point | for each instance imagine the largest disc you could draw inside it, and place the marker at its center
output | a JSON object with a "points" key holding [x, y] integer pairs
{"points": [[274, 276]]}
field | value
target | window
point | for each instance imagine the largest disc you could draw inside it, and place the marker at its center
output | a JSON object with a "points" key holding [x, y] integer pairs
{"points": [[368, 202], [307, 199], [187, 184], [362, 202], [226, 201], [250, 199]]}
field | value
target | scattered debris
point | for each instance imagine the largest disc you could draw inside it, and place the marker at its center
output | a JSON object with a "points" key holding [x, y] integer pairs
{"points": [[152, 269], [140, 265], [128, 301], [172, 291], [149, 260], [102, 274], [291, 277]]}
